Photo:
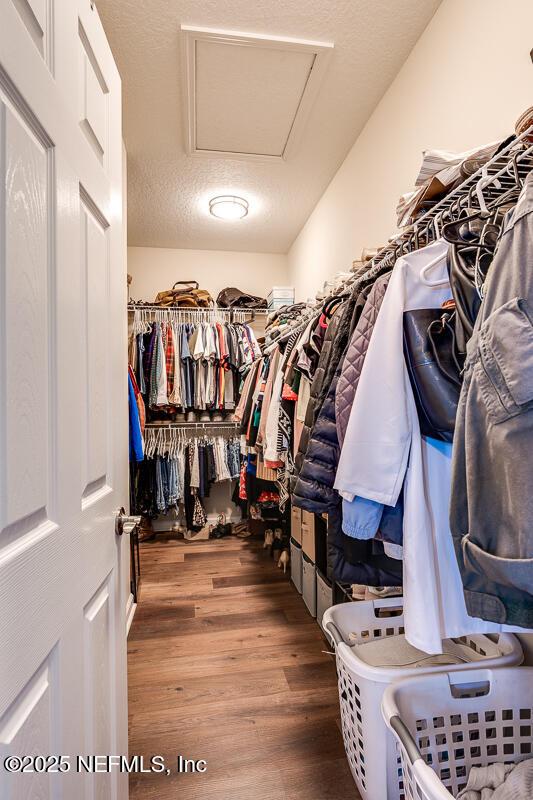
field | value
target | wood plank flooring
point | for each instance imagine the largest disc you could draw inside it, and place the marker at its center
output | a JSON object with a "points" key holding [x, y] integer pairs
{"points": [[225, 664]]}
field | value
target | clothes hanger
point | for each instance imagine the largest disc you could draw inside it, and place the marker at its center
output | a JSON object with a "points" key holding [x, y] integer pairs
{"points": [[427, 268]]}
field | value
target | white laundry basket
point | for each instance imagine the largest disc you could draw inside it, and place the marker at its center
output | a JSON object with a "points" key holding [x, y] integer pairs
{"points": [[447, 723], [370, 748]]}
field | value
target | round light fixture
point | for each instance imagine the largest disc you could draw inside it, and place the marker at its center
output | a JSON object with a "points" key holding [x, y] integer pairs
{"points": [[227, 206]]}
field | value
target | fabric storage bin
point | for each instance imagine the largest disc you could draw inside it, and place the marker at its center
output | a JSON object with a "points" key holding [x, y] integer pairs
{"points": [[296, 524], [449, 722], [296, 565], [370, 748], [309, 584], [324, 596]]}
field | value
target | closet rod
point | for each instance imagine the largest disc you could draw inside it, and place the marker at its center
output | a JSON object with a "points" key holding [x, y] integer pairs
{"points": [[493, 179], [211, 310], [504, 171], [191, 425], [291, 327]]}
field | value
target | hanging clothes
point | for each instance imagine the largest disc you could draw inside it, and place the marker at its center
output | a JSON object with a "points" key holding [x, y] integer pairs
{"points": [[184, 366], [180, 469], [384, 450]]}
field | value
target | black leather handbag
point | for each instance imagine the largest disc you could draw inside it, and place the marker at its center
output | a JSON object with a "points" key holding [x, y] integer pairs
{"points": [[230, 297], [434, 369]]}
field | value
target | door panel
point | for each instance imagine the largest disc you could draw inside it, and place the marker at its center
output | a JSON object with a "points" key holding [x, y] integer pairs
{"points": [[95, 271], [37, 17], [93, 93], [25, 299], [63, 465], [28, 727], [99, 667]]}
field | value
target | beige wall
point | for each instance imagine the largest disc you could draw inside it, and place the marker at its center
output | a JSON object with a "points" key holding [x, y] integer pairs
{"points": [[465, 83], [156, 268]]}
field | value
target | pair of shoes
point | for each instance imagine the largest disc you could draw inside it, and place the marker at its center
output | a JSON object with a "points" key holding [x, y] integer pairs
{"points": [[205, 416], [269, 538], [191, 416], [218, 417]]}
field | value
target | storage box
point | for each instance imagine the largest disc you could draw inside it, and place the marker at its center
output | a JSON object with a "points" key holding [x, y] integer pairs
{"points": [[324, 596], [308, 535], [296, 524], [309, 584], [281, 292], [296, 565]]}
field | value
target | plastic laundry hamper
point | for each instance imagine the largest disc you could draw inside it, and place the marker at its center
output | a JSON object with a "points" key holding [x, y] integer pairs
{"points": [[370, 747], [447, 723]]}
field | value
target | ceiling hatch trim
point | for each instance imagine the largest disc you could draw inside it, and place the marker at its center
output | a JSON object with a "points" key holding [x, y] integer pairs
{"points": [[284, 68]]}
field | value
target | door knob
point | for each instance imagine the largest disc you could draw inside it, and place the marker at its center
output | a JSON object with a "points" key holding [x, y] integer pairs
{"points": [[124, 523]]}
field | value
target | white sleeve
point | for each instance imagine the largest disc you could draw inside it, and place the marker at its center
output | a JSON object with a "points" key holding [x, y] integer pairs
{"points": [[375, 452]]}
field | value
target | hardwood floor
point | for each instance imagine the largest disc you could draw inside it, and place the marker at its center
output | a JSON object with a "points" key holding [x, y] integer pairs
{"points": [[226, 664]]}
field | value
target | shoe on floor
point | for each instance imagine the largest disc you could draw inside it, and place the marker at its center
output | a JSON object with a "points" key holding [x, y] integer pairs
{"points": [[383, 591], [358, 591]]}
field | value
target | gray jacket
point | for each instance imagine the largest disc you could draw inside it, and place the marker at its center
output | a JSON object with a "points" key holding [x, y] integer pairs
{"points": [[492, 484]]}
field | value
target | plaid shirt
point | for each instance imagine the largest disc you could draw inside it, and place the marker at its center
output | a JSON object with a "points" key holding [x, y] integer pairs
{"points": [[169, 359]]}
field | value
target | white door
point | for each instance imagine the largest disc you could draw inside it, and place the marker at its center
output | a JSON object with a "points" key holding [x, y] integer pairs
{"points": [[63, 402]]}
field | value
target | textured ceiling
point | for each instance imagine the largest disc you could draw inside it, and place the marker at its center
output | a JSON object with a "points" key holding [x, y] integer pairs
{"points": [[168, 190]]}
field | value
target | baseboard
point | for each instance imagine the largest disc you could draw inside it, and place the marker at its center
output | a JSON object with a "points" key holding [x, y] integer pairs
{"points": [[131, 607]]}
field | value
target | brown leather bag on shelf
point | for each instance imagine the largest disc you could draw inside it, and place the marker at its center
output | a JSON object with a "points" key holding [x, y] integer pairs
{"points": [[189, 295]]}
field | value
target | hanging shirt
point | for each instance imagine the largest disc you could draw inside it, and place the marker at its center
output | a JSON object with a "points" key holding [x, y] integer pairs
{"points": [[140, 363], [187, 367], [196, 345], [148, 357], [169, 359], [175, 397], [136, 439], [161, 370]]}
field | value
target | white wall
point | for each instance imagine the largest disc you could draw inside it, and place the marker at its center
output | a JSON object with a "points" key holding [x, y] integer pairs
{"points": [[465, 83], [154, 269]]}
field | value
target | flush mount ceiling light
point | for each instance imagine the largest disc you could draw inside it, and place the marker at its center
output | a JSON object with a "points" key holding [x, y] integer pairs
{"points": [[228, 206]]}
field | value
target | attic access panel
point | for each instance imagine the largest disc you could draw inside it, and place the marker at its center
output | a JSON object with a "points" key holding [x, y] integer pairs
{"points": [[248, 95]]}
